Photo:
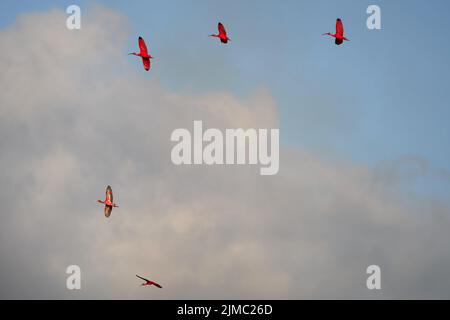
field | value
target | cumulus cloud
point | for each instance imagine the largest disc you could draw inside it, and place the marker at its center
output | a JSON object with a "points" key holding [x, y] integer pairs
{"points": [[75, 116]]}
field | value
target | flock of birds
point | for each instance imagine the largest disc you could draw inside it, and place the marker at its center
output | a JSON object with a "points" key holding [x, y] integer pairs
{"points": [[109, 205], [143, 53], [222, 35]]}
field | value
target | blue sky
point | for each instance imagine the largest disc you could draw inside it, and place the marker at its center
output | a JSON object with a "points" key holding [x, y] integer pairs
{"points": [[377, 98]]}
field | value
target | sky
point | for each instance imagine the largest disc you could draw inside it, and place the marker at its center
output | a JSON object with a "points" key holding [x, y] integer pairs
{"points": [[386, 87], [364, 171]]}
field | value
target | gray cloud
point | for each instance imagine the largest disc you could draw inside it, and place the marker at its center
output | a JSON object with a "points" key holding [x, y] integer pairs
{"points": [[75, 117]]}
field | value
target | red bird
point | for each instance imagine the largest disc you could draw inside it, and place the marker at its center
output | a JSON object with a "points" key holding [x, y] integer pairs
{"points": [[109, 204], [143, 54], [222, 34], [339, 33], [148, 282]]}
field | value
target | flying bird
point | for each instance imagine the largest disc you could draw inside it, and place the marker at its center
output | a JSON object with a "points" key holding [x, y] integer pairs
{"points": [[222, 34], [109, 202], [339, 35], [143, 53], [149, 282]]}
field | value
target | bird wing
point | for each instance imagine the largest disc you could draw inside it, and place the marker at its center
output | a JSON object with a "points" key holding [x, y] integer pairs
{"points": [[146, 62], [142, 278], [108, 210], [339, 28], [155, 284], [221, 29], [109, 194], [143, 46]]}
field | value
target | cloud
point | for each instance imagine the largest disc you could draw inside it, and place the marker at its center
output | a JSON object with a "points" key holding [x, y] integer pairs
{"points": [[76, 116]]}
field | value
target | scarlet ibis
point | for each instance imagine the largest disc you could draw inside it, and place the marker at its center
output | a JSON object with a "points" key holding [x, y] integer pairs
{"points": [[109, 204], [149, 282], [143, 54], [339, 33], [222, 34]]}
